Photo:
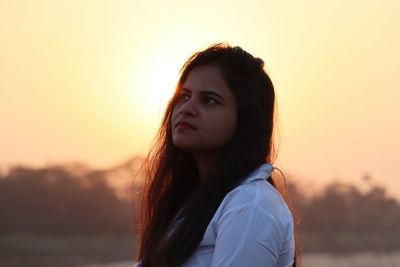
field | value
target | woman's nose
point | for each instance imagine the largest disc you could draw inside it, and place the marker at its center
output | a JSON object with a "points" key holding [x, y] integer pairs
{"points": [[189, 107]]}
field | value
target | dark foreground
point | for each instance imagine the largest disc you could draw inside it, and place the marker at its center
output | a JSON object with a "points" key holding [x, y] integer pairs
{"points": [[101, 250]]}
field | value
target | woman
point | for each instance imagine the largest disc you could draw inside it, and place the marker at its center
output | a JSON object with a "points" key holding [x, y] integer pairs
{"points": [[210, 199]]}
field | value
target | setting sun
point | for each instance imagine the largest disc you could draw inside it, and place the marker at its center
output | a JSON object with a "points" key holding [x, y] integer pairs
{"points": [[152, 77], [152, 81]]}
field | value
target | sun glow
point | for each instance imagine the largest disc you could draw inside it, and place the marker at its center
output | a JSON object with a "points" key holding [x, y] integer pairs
{"points": [[156, 84], [152, 81]]}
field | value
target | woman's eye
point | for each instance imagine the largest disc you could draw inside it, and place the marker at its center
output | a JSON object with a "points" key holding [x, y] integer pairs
{"points": [[210, 100], [183, 97]]}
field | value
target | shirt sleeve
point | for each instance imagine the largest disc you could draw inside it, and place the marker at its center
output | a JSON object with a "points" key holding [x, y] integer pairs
{"points": [[247, 235]]}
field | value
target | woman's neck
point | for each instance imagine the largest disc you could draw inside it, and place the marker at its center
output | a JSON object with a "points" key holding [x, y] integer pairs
{"points": [[205, 164]]}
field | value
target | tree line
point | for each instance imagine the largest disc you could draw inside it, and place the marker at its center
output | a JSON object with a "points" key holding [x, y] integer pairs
{"points": [[57, 200], [345, 208]]}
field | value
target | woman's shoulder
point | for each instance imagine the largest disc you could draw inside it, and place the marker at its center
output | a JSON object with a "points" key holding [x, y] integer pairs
{"points": [[258, 207], [257, 194]]}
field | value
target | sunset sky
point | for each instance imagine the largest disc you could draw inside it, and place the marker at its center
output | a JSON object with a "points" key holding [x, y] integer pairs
{"points": [[87, 80]]}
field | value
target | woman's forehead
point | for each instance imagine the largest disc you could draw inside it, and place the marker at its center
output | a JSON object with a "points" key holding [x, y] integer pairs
{"points": [[205, 78]]}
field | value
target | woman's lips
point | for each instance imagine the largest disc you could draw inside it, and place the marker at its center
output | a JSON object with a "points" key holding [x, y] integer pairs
{"points": [[184, 125]]}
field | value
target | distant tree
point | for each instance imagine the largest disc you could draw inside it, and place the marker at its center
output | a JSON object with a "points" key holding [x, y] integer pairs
{"points": [[342, 207], [58, 199], [53, 200]]}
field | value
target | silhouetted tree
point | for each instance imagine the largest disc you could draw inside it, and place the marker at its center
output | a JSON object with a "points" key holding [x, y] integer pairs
{"points": [[53, 200], [58, 200], [343, 208]]}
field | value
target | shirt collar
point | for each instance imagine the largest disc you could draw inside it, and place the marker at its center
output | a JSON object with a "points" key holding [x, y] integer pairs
{"points": [[261, 173]]}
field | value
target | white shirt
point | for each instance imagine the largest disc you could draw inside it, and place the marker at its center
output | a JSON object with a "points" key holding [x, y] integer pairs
{"points": [[252, 227]]}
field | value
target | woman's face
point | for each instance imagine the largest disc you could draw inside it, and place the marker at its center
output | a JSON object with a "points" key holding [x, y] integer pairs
{"points": [[204, 116]]}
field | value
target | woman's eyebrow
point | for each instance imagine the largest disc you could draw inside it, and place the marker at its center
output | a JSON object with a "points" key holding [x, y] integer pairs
{"points": [[208, 92], [185, 89], [205, 92]]}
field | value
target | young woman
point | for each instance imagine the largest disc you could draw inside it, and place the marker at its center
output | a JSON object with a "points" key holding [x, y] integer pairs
{"points": [[210, 199]]}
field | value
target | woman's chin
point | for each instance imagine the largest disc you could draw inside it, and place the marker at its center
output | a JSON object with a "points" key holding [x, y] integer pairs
{"points": [[185, 146]]}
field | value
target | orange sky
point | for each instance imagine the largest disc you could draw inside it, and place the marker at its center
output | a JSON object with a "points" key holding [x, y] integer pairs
{"points": [[87, 80]]}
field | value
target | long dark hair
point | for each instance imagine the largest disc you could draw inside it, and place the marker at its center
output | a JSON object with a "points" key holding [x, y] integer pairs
{"points": [[173, 191]]}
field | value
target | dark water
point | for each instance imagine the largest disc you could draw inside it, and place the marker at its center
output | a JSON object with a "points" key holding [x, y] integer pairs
{"points": [[364, 259]]}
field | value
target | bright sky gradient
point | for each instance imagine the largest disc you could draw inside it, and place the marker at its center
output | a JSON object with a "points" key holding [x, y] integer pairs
{"points": [[87, 80]]}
